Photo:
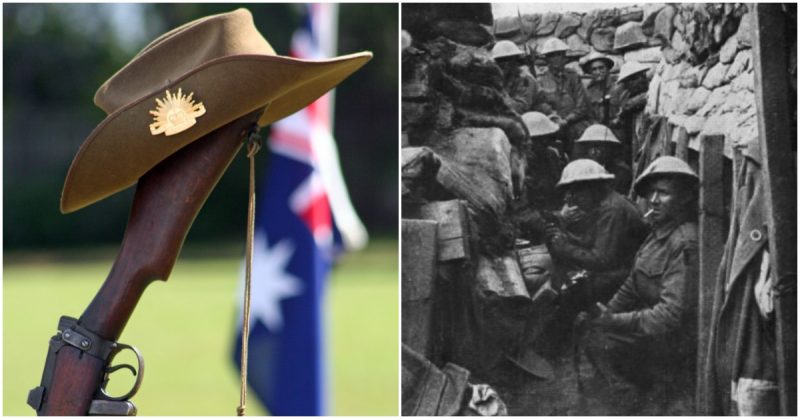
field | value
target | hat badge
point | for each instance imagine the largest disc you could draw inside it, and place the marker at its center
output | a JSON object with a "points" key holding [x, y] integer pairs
{"points": [[175, 113]]}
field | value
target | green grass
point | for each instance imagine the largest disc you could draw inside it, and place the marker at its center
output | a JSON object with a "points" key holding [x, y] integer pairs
{"points": [[184, 329]]}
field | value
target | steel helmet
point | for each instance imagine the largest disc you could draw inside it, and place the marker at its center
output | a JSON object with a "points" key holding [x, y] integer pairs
{"points": [[539, 124], [598, 133], [666, 165], [630, 68], [629, 35], [553, 45], [505, 48], [587, 60], [583, 170]]}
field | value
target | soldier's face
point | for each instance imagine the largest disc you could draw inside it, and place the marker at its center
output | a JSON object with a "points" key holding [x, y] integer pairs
{"points": [[556, 60], [581, 194], [599, 70], [663, 198], [598, 153]]}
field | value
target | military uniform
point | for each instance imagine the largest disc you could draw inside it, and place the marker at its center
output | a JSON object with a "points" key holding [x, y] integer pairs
{"points": [[596, 91], [604, 243], [651, 335], [564, 93], [520, 86]]}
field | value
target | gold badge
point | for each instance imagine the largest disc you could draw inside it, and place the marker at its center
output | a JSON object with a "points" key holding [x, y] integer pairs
{"points": [[175, 113]]}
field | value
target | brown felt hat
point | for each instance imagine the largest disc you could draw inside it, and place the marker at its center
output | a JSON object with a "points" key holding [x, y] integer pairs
{"points": [[185, 84]]}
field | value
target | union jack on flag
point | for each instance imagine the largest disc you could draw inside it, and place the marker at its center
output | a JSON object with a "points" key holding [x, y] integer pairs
{"points": [[303, 220]]}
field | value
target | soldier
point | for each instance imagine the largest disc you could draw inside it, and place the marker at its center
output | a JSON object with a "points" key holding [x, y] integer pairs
{"points": [[629, 120], [648, 332], [517, 78], [560, 94], [600, 144], [601, 91], [602, 235], [544, 161]]}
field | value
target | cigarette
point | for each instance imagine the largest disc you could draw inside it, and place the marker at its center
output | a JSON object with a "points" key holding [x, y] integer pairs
{"points": [[648, 213]]}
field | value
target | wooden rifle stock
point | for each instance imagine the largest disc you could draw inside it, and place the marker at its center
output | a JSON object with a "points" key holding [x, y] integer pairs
{"points": [[167, 200]]}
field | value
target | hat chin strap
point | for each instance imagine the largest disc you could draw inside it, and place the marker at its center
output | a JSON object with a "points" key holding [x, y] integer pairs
{"points": [[253, 145]]}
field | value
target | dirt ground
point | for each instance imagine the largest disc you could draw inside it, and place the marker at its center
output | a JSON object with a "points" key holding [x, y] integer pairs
{"points": [[526, 395]]}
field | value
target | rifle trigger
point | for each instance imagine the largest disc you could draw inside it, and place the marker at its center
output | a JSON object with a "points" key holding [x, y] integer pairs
{"points": [[138, 373]]}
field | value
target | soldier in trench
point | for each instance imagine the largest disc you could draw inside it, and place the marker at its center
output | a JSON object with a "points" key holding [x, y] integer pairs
{"points": [[593, 241], [645, 338]]}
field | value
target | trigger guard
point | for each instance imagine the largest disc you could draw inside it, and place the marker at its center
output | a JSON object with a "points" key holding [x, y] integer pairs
{"points": [[139, 376]]}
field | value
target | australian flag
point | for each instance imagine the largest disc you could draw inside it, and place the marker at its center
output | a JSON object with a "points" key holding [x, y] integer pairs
{"points": [[303, 220]]}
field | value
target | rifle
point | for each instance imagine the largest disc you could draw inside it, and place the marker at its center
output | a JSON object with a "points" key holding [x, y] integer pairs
{"points": [[167, 200]]}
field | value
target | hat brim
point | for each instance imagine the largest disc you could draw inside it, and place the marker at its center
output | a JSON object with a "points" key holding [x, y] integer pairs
{"points": [[121, 148], [641, 184], [609, 63]]}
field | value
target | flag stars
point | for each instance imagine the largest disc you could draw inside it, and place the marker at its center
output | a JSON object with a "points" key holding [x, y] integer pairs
{"points": [[272, 283]]}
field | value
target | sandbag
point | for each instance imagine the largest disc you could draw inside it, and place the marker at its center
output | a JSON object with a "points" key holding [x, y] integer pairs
{"points": [[568, 25], [476, 167]]}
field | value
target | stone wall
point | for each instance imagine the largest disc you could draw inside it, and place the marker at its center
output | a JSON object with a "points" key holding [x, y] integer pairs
{"points": [[699, 54]]}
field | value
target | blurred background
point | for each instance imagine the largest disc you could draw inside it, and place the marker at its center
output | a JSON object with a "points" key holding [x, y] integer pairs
{"points": [[55, 56]]}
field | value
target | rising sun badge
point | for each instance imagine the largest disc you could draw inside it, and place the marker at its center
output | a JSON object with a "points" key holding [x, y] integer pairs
{"points": [[175, 113]]}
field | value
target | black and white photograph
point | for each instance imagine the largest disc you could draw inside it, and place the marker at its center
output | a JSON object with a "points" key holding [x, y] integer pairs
{"points": [[598, 209]]}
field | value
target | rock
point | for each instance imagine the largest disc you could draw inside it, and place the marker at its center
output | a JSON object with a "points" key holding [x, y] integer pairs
{"points": [[577, 46], [530, 22], [547, 24], [506, 27], [715, 76], [568, 25], [738, 102], [605, 17], [675, 71], [671, 56], [629, 14], [602, 39], [629, 36], [644, 55], [728, 51], [650, 10], [714, 101], [696, 100], [678, 43], [744, 81], [668, 94], [663, 24], [691, 78], [741, 63], [587, 24], [694, 124], [745, 32], [718, 124]]}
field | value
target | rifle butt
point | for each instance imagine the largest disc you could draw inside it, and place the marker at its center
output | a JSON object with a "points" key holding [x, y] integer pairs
{"points": [[167, 200]]}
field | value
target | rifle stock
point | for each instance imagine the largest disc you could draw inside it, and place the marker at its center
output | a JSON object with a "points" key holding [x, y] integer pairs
{"points": [[167, 200]]}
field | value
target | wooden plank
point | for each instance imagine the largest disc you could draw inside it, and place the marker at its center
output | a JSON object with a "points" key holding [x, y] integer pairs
{"points": [[453, 229], [779, 167], [418, 280], [681, 138], [712, 239]]}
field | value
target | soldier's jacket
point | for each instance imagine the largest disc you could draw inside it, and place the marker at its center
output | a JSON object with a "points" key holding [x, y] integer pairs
{"points": [[563, 93], [659, 296], [520, 86], [604, 243], [596, 91]]}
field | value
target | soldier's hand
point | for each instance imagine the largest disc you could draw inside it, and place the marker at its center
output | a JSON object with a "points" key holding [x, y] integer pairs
{"points": [[604, 317], [552, 232], [572, 214]]}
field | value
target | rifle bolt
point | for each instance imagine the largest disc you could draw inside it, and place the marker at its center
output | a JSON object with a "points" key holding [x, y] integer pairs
{"points": [[84, 344]]}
